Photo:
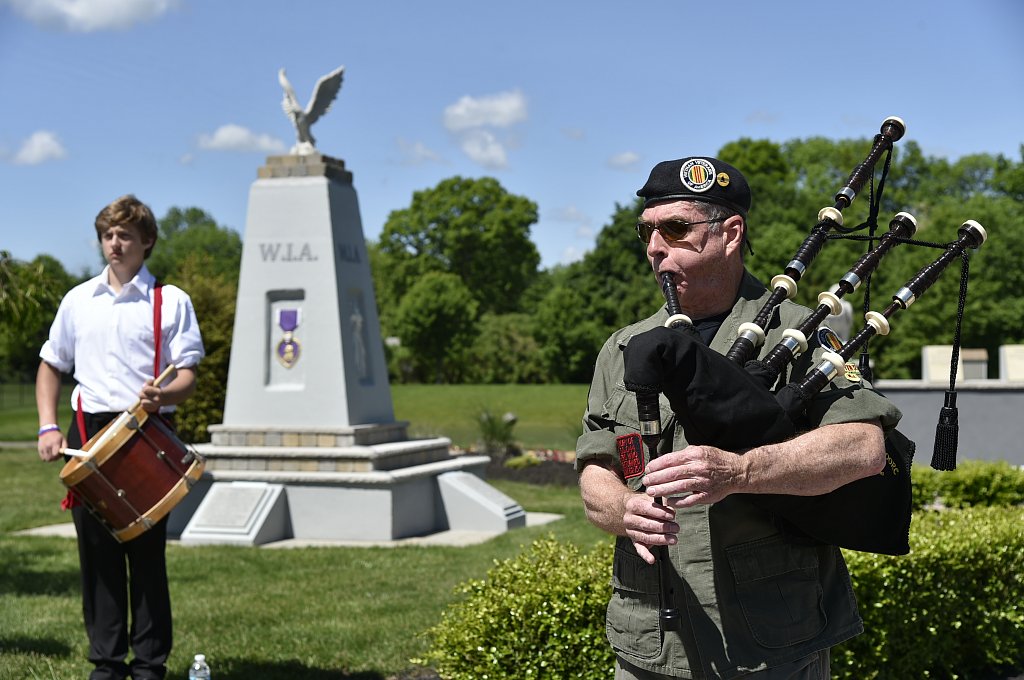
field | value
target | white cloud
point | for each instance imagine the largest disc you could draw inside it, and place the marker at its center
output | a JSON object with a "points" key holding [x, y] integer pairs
{"points": [[84, 16], [570, 254], [584, 231], [416, 153], [42, 146], [570, 213], [497, 110], [624, 160], [484, 148], [574, 133], [475, 120], [233, 137], [761, 117]]}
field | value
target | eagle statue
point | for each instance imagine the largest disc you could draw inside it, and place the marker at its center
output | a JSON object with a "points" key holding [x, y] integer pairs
{"points": [[320, 103]]}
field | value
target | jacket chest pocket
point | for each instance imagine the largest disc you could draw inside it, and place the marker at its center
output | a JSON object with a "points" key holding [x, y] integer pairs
{"points": [[778, 589]]}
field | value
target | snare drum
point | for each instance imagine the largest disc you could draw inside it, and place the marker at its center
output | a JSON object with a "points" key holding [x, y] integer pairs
{"points": [[138, 472]]}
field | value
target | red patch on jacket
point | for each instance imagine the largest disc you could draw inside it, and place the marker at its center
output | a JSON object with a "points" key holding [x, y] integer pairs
{"points": [[631, 454]]}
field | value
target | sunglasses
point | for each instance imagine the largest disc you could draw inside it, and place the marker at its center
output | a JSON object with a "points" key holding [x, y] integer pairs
{"points": [[672, 231]]}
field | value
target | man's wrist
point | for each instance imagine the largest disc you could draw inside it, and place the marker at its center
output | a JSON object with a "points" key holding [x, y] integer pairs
{"points": [[47, 428]]}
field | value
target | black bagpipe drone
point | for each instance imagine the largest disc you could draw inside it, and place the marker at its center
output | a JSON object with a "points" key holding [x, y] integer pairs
{"points": [[733, 401]]}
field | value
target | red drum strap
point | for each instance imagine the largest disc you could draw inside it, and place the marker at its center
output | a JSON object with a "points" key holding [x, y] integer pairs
{"points": [[158, 300]]}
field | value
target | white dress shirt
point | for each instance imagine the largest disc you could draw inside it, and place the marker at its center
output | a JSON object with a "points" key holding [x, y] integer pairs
{"points": [[107, 339]]}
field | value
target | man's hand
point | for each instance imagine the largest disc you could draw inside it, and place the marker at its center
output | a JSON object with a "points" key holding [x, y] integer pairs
{"points": [[701, 474], [648, 524], [50, 445], [151, 396], [613, 507]]}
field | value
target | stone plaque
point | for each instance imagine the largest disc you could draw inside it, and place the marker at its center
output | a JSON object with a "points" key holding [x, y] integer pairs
{"points": [[241, 513]]}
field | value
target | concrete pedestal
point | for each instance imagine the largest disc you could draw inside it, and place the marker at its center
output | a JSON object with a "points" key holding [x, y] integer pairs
{"points": [[309, 447]]}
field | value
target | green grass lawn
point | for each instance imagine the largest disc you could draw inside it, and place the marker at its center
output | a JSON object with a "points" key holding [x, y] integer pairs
{"points": [[256, 613], [548, 415], [18, 418]]}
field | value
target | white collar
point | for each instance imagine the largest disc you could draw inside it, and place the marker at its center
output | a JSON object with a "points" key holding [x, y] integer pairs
{"points": [[143, 282]]}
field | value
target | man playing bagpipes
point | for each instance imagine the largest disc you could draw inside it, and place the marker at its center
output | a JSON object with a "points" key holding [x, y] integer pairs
{"points": [[750, 595]]}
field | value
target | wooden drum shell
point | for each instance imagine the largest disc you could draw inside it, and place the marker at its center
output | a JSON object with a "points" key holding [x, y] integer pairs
{"points": [[126, 482]]}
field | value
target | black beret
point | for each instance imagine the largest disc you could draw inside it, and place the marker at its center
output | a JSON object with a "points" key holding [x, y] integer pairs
{"points": [[697, 179]]}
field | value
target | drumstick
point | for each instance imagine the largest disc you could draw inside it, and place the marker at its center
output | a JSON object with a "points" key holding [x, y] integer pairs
{"points": [[168, 374]]}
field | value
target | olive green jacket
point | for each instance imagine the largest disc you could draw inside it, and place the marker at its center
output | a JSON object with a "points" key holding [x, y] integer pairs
{"points": [[751, 596]]}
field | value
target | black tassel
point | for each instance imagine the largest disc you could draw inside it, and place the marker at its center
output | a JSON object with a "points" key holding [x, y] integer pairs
{"points": [[946, 435], [947, 432], [864, 366]]}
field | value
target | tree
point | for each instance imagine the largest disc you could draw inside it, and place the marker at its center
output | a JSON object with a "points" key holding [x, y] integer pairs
{"points": [[183, 231], [1009, 177], [30, 293], [505, 351], [790, 183], [573, 308], [612, 286], [470, 228], [941, 195], [617, 278], [27, 286], [213, 297], [436, 322], [995, 305], [569, 336]]}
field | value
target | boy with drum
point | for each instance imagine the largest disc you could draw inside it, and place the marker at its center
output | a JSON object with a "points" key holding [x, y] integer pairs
{"points": [[108, 333]]}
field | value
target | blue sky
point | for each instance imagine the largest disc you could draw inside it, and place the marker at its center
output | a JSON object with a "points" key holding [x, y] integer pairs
{"points": [[567, 103]]}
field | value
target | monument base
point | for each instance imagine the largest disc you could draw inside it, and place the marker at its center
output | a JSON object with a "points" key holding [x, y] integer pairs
{"points": [[240, 513], [374, 492]]}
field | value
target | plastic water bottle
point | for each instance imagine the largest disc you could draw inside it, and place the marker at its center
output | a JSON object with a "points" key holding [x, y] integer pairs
{"points": [[199, 669]]}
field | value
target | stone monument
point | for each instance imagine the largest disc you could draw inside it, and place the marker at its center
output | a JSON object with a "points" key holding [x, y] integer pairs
{"points": [[309, 447]]}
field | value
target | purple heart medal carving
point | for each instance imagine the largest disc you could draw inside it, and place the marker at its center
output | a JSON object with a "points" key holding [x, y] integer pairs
{"points": [[289, 348]]}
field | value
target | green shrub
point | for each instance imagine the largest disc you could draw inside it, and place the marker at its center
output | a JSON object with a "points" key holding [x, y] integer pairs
{"points": [[213, 297], [524, 461], [924, 489], [952, 608], [496, 437], [539, 615], [974, 482]]}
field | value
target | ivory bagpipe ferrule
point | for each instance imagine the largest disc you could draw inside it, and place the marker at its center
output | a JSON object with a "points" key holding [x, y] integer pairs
{"points": [[676, 317]]}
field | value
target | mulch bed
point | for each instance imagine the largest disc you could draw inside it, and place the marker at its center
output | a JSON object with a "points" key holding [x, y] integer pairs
{"points": [[548, 472]]}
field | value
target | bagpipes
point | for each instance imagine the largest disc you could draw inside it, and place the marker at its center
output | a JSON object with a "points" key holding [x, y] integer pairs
{"points": [[751, 334], [732, 401]]}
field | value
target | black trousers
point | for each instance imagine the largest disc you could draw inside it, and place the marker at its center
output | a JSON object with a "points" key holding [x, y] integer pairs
{"points": [[118, 579]]}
